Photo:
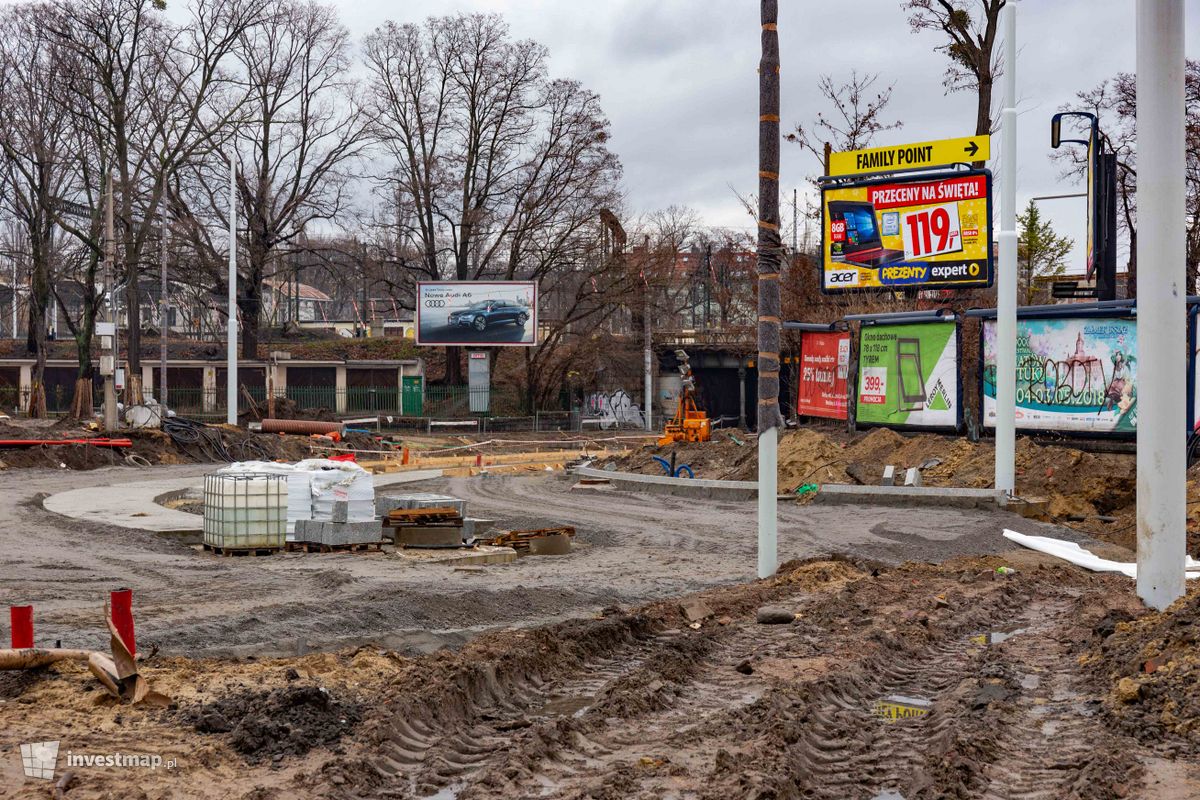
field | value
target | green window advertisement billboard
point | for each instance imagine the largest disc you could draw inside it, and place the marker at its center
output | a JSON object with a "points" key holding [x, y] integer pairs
{"points": [[1072, 375], [908, 375]]}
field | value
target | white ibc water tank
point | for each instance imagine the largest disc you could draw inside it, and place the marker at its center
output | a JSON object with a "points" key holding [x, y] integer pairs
{"points": [[245, 512]]}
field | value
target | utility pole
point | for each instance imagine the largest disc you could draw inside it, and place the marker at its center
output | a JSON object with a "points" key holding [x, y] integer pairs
{"points": [[769, 252], [1006, 277], [161, 389], [1162, 286], [231, 346], [648, 359], [108, 369]]}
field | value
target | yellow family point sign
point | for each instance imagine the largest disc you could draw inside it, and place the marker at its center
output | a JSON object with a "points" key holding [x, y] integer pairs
{"points": [[911, 156]]}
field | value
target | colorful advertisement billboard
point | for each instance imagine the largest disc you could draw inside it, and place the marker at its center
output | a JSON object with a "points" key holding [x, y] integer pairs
{"points": [[1072, 375], [908, 233], [824, 367], [908, 375], [496, 313]]}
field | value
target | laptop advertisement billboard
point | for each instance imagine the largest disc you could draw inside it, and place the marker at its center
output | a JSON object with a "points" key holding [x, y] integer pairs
{"points": [[895, 233]]}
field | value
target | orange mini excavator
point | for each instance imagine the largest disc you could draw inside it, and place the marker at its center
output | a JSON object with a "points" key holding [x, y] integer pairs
{"points": [[689, 424]]}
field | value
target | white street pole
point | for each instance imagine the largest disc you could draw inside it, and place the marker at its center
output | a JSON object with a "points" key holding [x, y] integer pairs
{"points": [[768, 499], [1161, 461], [647, 365], [1006, 275], [231, 352]]}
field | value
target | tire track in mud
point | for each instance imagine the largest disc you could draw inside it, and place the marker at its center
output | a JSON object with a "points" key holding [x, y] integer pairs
{"points": [[784, 711]]}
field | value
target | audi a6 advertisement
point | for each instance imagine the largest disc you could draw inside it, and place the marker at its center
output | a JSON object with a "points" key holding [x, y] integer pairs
{"points": [[496, 313]]}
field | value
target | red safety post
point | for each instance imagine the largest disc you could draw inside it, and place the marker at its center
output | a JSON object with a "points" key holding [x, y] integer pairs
{"points": [[404, 456], [21, 618], [479, 459], [122, 617]]}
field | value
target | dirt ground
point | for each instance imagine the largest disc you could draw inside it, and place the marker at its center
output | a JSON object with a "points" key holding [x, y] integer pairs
{"points": [[643, 702], [596, 674], [1078, 484]]}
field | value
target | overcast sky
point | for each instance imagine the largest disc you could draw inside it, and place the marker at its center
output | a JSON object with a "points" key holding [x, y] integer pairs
{"points": [[678, 80]]}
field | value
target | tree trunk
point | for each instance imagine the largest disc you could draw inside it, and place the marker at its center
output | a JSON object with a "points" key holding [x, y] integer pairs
{"points": [[39, 301], [454, 372], [770, 246], [1131, 266], [983, 115], [250, 305]]}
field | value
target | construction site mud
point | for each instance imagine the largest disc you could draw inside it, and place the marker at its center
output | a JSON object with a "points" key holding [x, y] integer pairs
{"points": [[652, 702], [906, 665]]}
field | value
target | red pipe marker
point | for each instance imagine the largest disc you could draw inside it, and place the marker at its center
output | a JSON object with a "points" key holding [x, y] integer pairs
{"points": [[122, 616], [21, 618]]}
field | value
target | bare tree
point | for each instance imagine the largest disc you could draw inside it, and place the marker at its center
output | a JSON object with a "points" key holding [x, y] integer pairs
{"points": [[495, 168], [298, 136], [154, 93], [35, 163], [1114, 102], [970, 29], [857, 116]]}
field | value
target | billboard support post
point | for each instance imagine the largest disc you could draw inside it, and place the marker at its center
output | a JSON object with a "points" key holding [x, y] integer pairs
{"points": [[1161, 460], [1006, 278]]}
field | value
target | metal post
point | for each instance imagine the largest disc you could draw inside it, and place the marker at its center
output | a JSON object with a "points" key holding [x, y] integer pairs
{"points": [[1161, 467], [742, 396], [231, 349], [1006, 277], [161, 389], [110, 252], [648, 389], [768, 491]]}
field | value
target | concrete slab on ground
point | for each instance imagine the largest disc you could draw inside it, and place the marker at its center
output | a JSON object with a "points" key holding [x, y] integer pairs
{"points": [[911, 496], [135, 504]]}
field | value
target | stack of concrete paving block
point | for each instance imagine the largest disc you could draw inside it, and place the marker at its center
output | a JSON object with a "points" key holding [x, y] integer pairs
{"points": [[339, 531]]}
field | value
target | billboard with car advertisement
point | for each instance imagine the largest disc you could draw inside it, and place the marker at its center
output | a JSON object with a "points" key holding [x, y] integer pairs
{"points": [[908, 375], [908, 233], [824, 366], [494, 313], [1072, 375]]}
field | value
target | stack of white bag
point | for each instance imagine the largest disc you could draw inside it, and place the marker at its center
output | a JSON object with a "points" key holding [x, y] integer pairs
{"points": [[314, 485]]}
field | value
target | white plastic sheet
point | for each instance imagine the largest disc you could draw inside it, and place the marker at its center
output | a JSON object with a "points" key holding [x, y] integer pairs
{"points": [[315, 484], [1072, 552]]}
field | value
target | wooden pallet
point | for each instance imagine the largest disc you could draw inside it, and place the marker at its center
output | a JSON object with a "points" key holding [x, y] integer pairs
{"points": [[319, 547], [519, 540], [241, 551], [423, 516]]}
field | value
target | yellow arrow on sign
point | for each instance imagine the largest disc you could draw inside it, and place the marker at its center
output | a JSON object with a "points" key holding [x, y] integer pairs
{"points": [[911, 156]]}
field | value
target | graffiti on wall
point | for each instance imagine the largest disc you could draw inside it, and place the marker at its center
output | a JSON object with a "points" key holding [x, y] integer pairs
{"points": [[613, 409]]}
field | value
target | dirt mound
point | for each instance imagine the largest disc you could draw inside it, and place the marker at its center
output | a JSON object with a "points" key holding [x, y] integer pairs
{"points": [[1149, 669], [285, 721]]}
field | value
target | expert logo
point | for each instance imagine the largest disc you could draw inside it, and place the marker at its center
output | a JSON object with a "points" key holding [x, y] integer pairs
{"points": [[969, 271]]}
